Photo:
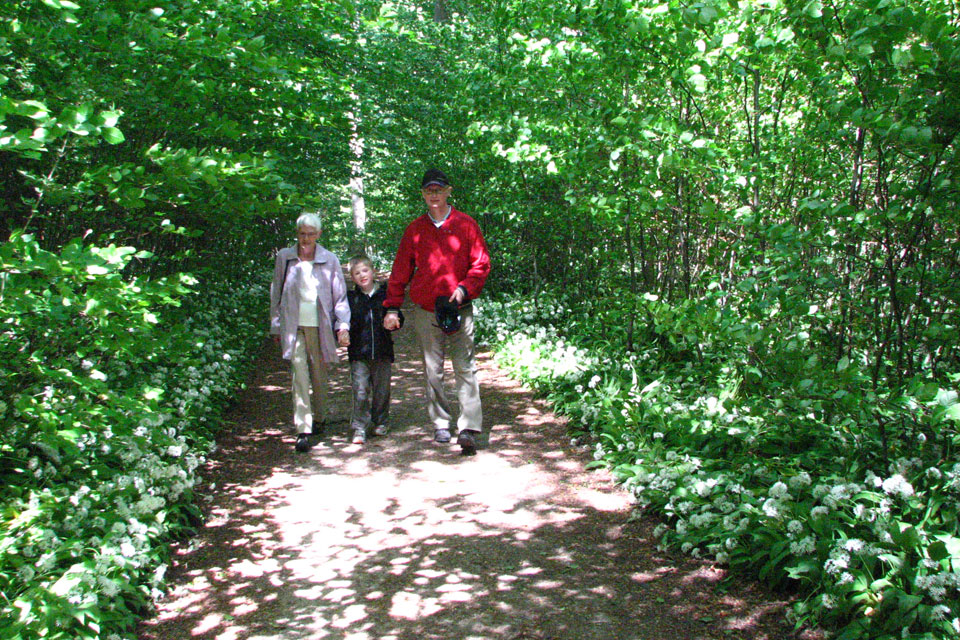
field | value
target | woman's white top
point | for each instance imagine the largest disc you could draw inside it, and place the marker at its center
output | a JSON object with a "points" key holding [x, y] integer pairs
{"points": [[309, 314]]}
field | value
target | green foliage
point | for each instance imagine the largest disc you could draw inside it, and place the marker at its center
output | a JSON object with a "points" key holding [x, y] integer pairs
{"points": [[133, 118], [112, 388], [782, 465]]}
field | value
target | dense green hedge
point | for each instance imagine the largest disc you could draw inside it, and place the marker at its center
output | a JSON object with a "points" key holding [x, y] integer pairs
{"points": [[112, 390], [791, 468]]}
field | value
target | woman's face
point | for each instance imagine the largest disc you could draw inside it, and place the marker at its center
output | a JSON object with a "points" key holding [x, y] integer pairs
{"points": [[307, 238]]}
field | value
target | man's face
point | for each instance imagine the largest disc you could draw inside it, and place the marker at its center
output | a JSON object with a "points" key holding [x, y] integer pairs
{"points": [[436, 197], [307, 238]]}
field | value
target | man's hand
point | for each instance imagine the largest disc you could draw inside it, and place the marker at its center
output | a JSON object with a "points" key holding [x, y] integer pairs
{"points": [[391, 321], [343, 337], [457, 297]]}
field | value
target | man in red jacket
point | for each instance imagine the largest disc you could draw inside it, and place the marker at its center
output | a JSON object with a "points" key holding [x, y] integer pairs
{"points": [[442, 253]]}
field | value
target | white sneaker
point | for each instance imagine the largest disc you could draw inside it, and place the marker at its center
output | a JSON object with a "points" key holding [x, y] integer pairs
{"points": [[359, 437], [380, 430]]}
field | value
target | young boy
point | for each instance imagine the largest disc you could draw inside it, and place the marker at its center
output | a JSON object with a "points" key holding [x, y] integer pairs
{"points": [[370, 352]]}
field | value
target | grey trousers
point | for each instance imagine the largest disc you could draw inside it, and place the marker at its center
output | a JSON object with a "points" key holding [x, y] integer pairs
{"points": [[459, 346], [370, 380]]}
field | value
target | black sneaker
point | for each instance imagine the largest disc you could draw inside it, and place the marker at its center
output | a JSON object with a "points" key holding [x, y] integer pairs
{"points": [[468, 443], [441, 435], [303, 442]]}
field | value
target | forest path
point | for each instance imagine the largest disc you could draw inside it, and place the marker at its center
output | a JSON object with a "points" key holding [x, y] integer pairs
{"points": [[405, 539]]}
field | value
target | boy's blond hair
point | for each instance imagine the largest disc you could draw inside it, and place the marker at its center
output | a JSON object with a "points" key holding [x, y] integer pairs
{"points": [[358, 260]]}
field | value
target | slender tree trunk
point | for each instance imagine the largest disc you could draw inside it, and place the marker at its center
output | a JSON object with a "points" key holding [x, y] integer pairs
{"points": [[633, 273], [440, 13], [358, 205], [756, 139], [856, 181]]}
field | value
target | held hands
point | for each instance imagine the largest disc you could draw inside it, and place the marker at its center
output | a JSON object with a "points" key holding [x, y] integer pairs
{"points": [[343, 338], [391, 321]]}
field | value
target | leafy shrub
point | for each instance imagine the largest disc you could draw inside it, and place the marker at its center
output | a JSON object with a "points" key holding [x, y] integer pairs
{"points": [[760, 452], [110, 395]]}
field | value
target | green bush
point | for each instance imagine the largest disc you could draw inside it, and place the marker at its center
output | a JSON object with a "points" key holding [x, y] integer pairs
{"points": [[112, 386], [786, 465]]}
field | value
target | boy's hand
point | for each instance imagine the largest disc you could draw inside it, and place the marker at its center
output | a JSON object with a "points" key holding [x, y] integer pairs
{"points": [[391, 322], [343, 337]]}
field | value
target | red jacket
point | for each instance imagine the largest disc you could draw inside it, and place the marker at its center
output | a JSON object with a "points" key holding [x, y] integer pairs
{"points": [[434, 262]]}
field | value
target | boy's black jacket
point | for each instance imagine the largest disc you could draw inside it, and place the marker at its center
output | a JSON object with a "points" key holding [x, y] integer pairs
{"points": [[368, 339]]}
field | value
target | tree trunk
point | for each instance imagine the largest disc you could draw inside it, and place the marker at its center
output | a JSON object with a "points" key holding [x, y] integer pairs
{"points": [[440, 13], [358, 206], [633, 274]]}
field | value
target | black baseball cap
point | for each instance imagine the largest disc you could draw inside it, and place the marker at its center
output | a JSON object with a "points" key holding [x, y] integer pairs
{"points": [[434, 176]]}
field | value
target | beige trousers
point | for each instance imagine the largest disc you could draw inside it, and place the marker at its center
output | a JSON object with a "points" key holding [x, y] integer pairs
{"points": [[435, 345], [310, 381]]}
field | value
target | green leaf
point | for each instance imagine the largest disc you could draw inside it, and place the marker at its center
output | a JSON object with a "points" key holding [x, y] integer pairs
{"points": [[32, 109], [804, 567], [699, 82], [946, 397], [814, 9], [110, 118], [785, 35], [938, 551], [112, 135], [905, 536]]}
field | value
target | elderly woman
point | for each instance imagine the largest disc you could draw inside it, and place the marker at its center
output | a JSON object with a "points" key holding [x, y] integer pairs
{"points": [[308, 301]]}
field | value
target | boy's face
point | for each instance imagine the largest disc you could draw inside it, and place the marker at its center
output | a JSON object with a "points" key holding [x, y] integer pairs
{"points": [[362, 276]]}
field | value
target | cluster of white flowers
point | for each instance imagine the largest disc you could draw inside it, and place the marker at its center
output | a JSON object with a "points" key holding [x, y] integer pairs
{"points": [[937, 585], [773, 508], [704, 488], [804, 546], [794, 528], [800, 481], [779, 491], [503, 320], [838, 561], [896, 485], [703, 520]]}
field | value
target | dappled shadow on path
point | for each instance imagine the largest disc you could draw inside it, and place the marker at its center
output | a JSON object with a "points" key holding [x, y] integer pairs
{"points": [[404, 538]]}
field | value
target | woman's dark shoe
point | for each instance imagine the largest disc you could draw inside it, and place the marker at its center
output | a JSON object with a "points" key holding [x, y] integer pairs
{"points": [[303, 442]]}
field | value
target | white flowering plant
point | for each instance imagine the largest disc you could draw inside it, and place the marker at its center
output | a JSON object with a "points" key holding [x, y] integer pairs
{"points": [[761, 453], [112, 386]]}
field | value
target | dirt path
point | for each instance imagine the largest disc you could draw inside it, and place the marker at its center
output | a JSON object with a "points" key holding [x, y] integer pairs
{"points": [[405, 539]]}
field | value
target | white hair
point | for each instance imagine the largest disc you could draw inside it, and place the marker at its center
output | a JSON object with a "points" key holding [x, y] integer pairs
{"points": [[309, 220]]}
